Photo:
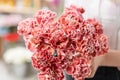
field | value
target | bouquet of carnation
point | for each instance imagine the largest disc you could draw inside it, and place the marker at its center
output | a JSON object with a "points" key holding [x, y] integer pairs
{"points": [[67, 43]]}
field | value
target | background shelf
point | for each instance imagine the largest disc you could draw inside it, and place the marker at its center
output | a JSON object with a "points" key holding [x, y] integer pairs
{"points": [[16, 10]]}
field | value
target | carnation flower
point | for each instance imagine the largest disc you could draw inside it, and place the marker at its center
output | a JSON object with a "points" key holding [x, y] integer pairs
{"points": [[67, 43]]}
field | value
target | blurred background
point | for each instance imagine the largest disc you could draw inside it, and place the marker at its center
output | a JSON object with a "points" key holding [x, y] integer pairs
{"points": [[15, 59], [15, 63]]}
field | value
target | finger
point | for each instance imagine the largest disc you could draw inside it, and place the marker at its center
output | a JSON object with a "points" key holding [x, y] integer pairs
{"points": [[93, 71], [93, 68]]}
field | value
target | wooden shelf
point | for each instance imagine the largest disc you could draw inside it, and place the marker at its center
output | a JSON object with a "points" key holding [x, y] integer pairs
{"points": [[4, 9]]}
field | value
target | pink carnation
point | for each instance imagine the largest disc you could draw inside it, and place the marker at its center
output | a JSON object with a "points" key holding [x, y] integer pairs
{"points": [[65, 44]]}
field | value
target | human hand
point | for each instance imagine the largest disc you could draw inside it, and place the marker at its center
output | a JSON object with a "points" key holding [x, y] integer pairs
{"points": [[111, 59], [96, 62]]}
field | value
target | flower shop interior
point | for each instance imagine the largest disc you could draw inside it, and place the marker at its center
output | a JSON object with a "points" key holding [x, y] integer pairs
{"points": [[15, 58]]}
